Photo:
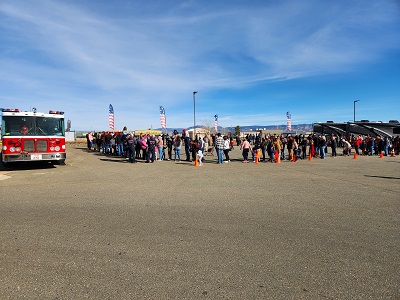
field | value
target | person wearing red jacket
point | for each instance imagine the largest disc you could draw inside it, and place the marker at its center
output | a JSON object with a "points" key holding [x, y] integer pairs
{"points": [[357, 144]]}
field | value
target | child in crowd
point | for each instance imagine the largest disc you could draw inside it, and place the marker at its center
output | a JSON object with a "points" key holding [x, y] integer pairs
{"points": [[254, 151], [200, 157]]}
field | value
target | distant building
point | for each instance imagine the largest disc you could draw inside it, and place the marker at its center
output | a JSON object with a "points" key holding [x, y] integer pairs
{"points": [[263, 132], [202, 132], [146, 131]]}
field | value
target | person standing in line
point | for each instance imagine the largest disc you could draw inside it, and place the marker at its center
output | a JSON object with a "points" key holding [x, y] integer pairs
{"points": [[160, 145], [186, 140], [315, 145], [206, 143], [170, 143], [99, 141], [370, 145], [263, 147], [386, 145], [283, 142], [113, 144], [295, 151], [194, 147], [278, 147], [213, 140], [303, 145], [380, 144], [334, 146], [238, 141], [144, 146], [138, 147], [89, 137], [270, 149], [108, 138], [177, 148], [227, 148], [201, 144], [151, 142], [131, 143], [357, 144], [120, 144], [219, 145], [289, 146], [322, 147], [245, 147]]}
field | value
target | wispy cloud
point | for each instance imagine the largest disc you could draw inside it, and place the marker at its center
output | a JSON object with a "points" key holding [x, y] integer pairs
{"points": [[67, 49]]}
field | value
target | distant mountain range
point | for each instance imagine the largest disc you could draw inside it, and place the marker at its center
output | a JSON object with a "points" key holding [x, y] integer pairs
{"points": [[298, 127]]}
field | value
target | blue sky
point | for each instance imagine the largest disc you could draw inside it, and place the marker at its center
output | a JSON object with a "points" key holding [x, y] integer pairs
{"points": [[250, 61]]}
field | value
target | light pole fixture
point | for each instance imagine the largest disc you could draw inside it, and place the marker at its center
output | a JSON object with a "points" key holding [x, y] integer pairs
{"points": [[354, 120], [194, 114]]}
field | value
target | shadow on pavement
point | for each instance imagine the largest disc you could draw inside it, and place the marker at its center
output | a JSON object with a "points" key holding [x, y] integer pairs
{"points": [[384, 177], [21, 166]]}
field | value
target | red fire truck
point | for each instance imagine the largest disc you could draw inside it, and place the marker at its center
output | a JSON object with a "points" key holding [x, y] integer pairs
{"points": [[32, 136]]}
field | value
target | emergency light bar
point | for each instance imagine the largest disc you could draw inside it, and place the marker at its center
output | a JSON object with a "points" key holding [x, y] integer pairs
{"points": [[56, 112], [10, 109]]}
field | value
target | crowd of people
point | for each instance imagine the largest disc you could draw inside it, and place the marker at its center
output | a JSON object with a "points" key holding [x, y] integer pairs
{"points": [[266, 148]]}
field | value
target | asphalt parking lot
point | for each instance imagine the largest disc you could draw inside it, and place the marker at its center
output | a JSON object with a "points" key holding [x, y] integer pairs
{"points": [[101, 228]]}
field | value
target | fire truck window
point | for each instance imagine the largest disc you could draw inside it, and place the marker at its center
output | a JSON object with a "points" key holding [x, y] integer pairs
{"points": [[31, 126], [18, 126], [55, 127]]}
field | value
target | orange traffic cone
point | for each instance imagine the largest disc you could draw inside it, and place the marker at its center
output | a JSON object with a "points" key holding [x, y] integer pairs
{"points": [[278, 159], [310, 156], [294, 158], [355, 156], [256, 158], [381, 155], [196, 162], [392, 153]]}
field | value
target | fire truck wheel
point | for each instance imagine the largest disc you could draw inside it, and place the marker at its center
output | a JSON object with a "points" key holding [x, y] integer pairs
{"points": [[1, 161], [5, 164]]}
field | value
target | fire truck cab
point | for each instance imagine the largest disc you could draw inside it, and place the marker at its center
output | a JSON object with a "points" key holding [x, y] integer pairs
{"points": [[32, 136]]}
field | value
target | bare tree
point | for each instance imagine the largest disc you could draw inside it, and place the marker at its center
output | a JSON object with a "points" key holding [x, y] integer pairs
{"points": [[208, 123]]}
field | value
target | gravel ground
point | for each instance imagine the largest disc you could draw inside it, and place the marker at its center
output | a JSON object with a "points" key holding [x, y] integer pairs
{"points": [[101, 228]]}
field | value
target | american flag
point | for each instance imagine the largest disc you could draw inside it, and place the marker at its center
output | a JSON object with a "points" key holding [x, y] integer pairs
{"points": [[163, 119], [111, 117], [288, 122], [216, 123]]}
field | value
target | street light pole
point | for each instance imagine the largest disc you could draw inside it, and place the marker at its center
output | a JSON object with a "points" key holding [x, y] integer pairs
{"points": [[354, 120], [194, 114]]}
